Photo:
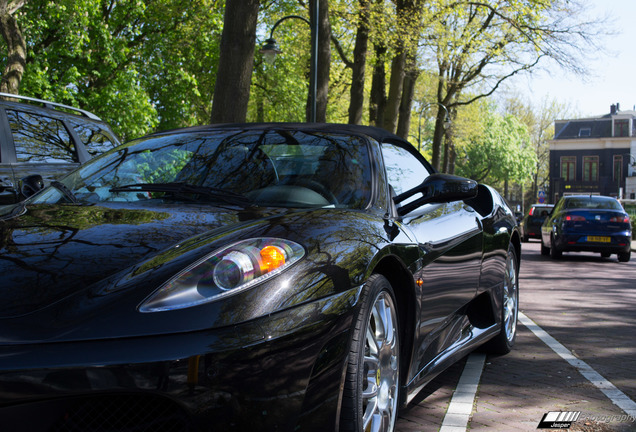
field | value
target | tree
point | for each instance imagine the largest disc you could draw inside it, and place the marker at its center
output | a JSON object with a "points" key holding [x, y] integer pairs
{"points": [[408, 14], [137, 64], [358, 66], [280, 90], [16, 46], [479, 45], [236, 62], [540, 124], [500, 153]]}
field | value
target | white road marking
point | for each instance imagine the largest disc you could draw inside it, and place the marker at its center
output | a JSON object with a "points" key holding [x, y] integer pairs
{"points": [[619, 398], [461, 404]]}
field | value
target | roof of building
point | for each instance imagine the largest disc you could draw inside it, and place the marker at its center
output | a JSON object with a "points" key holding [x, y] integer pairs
{"points": [[591, 127]]}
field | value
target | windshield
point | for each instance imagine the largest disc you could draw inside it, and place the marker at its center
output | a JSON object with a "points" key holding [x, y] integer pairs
{"points": [[264, 168]]}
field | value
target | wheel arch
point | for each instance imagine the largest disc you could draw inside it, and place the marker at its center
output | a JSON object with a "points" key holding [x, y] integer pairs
{"points": [[405, 296], [515, 241]]}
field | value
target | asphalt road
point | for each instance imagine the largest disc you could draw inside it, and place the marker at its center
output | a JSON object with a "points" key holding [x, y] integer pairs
{"points": [[585, 305]]}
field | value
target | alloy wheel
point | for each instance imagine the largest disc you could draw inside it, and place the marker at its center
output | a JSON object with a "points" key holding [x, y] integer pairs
{"points": [[510, 298], [381, 366]]}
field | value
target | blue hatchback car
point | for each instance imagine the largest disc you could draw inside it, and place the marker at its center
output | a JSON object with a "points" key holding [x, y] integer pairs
{"points": [[587, 223]]}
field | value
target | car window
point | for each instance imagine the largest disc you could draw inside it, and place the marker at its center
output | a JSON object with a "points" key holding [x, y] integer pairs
{"points": [[40, 139], [539, 211], [95, 139], [593, 203], [271, 168], [404, 171]]}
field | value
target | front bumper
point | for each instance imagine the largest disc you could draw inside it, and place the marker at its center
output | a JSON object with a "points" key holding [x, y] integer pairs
{"points": [[278, 373]]}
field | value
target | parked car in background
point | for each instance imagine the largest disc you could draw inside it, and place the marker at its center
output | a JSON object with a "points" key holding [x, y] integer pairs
{"points": [[252, 277], [587, 223], [41, 141], [530, 226]]}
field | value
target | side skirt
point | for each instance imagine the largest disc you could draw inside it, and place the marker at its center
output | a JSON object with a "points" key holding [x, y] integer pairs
{"points": [[472, 338]]}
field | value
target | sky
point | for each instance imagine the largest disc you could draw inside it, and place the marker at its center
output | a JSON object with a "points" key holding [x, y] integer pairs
{"points": [[613, 75]]}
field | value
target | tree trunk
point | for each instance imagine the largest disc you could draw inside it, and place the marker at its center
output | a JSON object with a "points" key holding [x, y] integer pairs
{"points": [[16, 47], [396, 84], [324, 62], [356, 100], [438, 137], [449, 146], [406, 105], [377, 101], [236, 61]]}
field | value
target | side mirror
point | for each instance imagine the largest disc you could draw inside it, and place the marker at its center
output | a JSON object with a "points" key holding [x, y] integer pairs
{"points": [[438, 188], [31, 185]]}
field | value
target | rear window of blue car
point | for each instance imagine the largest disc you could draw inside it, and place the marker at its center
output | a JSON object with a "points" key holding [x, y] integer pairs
{"points": [[593, 202]]}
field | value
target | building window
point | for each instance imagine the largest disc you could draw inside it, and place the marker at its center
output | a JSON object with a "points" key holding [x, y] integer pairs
{"points": [[618, 168], [590, 168], [585, 132], [568, 168], [621, 128]]}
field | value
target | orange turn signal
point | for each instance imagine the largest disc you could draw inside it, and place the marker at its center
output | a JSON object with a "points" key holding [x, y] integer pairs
{"points": [[273, 257]]}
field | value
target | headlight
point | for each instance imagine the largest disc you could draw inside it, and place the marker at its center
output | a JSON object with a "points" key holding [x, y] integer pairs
{"points": [[225, 272]]}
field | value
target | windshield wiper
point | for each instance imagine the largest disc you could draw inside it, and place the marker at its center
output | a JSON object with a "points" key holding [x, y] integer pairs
{"points": [[65, 191], [186, 188]]}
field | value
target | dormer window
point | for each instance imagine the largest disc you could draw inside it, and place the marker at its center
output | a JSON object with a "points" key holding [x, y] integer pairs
{"points": [[621, 127], [585, 132]]}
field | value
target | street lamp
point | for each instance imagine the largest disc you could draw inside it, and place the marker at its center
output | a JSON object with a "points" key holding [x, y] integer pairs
{"points": [[447, 122], [270, 50]]}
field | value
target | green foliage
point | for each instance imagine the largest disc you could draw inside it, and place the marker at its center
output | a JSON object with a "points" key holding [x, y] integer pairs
{"points": [[540, 123], [501, 153], [279, 90], [631, 210], [144, 65], [138, 64]]}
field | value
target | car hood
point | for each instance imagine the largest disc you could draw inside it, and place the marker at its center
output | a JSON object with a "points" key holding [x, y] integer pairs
{"points": [[49, 252]]}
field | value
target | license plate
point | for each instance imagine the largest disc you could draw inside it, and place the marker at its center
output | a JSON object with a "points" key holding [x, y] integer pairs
{"points": [[597, 239]]}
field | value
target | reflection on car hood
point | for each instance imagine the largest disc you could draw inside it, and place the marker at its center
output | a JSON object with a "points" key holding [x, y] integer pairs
{"points": [[52, 251]]}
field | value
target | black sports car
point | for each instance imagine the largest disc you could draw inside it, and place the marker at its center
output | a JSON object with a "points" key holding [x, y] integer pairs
{"points": [[248, 277]]}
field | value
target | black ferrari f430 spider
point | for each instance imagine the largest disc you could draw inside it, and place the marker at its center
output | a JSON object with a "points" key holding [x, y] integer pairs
{"points": [[261, 277]]}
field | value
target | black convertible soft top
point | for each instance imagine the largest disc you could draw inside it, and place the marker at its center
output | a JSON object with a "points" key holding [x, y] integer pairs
{"points": [[376, 133]]}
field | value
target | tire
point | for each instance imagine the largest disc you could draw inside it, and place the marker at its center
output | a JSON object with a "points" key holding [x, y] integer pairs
{"points": [[544, 249], [555, 252], [624, 256], [370, 397], [505, 340]]}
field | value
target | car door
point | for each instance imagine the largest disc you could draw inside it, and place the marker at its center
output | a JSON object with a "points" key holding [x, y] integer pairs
{"points": [[450, 239]]}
